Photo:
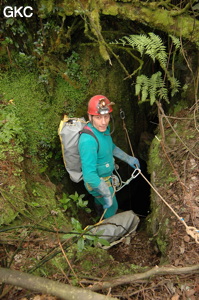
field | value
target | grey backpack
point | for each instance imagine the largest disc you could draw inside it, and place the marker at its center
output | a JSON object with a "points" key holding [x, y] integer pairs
{"points": [[116, 228], [69, 132]]}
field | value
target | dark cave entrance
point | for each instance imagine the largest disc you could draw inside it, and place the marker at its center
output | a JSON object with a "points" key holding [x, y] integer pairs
{"points": [[139, 117], [136, 195]]}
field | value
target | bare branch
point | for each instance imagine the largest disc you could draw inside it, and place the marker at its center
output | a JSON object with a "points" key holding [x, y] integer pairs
{"points": [[139, 276], [43, 285]]}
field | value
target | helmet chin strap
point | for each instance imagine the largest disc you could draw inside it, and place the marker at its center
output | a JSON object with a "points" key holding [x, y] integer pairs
{"points": [[113, 126], [91, 119]]}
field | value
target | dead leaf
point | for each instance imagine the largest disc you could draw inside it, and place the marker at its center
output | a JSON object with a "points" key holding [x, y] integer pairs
{"points": [[190, 293], [187, 218], [186, 238], [177, 262], [175, 297]]}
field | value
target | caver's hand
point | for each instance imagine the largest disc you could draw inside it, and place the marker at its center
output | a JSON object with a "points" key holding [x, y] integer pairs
{"points": [[104, 191], [130, 160], [133, 162]]}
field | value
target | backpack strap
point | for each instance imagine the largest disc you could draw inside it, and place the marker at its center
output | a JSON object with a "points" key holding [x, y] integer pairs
{"points": [[88, 130]]}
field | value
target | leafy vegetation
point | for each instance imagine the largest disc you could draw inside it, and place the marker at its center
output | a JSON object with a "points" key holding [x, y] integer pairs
{"points": [[31, 114], [155, 87], [151, 88], [84, 237], [29, 119], [68, 201], [11, 131]]}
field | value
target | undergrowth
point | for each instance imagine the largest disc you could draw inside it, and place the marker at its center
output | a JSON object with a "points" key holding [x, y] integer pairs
{"points": [[29, 142], [31, 115]]}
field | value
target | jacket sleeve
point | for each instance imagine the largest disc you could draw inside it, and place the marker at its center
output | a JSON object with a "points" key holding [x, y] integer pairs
{"points": [[88, 148], [130, 160]]}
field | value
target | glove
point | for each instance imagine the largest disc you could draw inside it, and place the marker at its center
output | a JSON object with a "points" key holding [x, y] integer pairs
{"points": [[133, 162], [103, 190], [130, 160]]}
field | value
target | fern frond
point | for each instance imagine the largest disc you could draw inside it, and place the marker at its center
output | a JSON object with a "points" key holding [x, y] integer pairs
{"points": [[137, 42], [155, 82], [151, 45], [142, 86], [176, 41], [175, 85], [162, 93], [157, 88], [153, 87], [156, 49]]}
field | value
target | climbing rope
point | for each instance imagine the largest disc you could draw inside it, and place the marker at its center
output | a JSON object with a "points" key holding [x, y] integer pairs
{"points": [[121, 185], [122, 116], [191, 230]]}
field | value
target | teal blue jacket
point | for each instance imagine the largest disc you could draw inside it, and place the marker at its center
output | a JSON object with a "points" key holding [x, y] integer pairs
{"points": [[97, 160]]}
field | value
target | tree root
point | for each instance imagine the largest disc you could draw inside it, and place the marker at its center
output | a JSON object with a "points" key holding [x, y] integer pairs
{"points": [[139, 276]]}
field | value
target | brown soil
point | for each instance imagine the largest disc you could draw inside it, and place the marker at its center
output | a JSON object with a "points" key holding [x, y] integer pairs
{"points": [[140, 252]]}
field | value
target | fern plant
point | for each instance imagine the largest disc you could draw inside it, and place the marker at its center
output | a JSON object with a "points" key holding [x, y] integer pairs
{"points": [[150, 87], [153, 88], [151, 45]]}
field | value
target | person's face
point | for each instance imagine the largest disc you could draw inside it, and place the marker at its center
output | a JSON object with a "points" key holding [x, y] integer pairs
{"points": [[100, 122]]}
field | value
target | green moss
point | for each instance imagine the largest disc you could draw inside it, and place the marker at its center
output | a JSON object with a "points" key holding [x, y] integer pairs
{"points": [[43, 194], [29, 122], [178, 106], [162, 245], [103, 52], [96, 261], [29, 100], [111, 10], [46, 6], [42, 203], [158, 227], [7, 214], [25, 133], [154, 161], [158, 164], [161, 175], [54, 265]]}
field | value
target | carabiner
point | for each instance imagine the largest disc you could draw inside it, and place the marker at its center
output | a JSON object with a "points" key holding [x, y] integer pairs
{"points": [[122, 114], [134, 174]]}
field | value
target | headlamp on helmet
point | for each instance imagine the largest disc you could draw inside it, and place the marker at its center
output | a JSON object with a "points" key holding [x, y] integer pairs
{"points": [[103, 107], [99, 105]]}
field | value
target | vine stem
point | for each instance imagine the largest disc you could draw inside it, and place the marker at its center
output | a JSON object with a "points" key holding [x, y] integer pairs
{"points": [[68, 262], [163, 115], [170, 162]]}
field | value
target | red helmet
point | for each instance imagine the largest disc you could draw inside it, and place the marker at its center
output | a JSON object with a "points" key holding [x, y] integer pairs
{"points": [[99, 105]]}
